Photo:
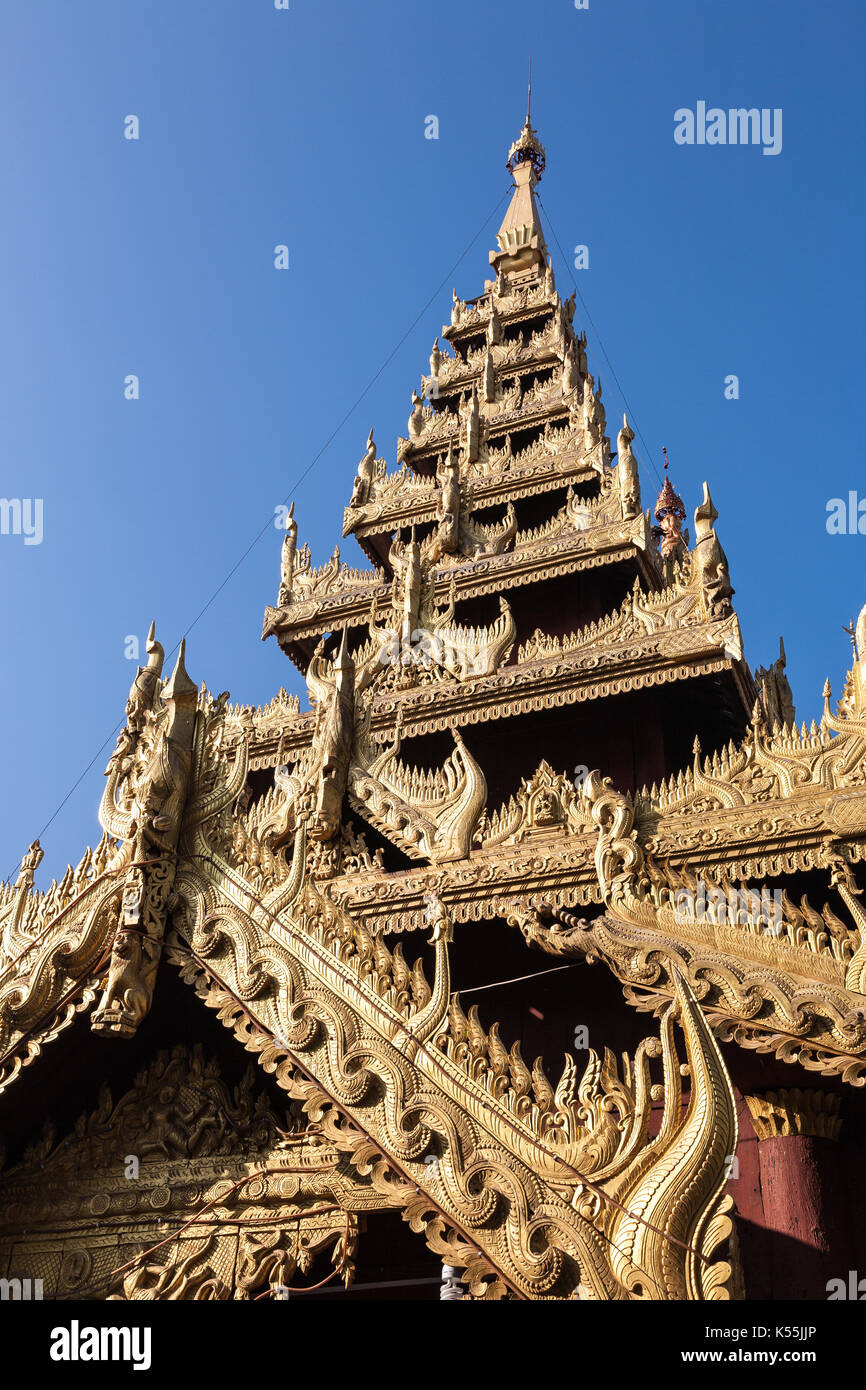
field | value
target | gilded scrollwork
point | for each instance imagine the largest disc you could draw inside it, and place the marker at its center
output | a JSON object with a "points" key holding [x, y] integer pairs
{"points": [[378, 1038]]}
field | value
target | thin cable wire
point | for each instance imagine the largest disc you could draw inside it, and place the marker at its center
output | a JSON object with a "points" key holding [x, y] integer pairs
{"points": [[297, 483], [536, 975], [631, 414]]}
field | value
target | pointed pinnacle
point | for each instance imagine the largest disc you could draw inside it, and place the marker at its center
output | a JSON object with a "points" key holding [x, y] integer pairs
{"points": [[179, 683], [154, 649]]}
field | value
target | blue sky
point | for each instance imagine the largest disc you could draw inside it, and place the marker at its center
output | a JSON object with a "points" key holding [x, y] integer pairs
{"points": [[306, 127]]}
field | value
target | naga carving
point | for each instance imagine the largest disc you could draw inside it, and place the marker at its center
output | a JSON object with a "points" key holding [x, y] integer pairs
{"points": [[143, 806]]}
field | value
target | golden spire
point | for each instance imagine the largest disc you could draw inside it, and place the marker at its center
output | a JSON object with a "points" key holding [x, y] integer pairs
{"points": [[520, 238]]}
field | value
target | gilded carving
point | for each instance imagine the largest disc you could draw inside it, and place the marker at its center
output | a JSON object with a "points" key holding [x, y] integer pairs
{"points": [[802, 1110], [227, 853]]}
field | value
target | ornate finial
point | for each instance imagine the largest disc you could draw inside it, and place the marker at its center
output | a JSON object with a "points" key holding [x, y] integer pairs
{"points": [[529, 91], [527, 149], [669, 502], [670, 514]]}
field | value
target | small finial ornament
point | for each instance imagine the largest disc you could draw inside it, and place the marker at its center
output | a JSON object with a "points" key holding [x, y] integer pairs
{"points": [[527, 149], [670, 514]]}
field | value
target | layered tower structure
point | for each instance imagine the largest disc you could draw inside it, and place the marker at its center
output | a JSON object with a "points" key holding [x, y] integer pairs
{"points": [[518, 589], [533, 743]]}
